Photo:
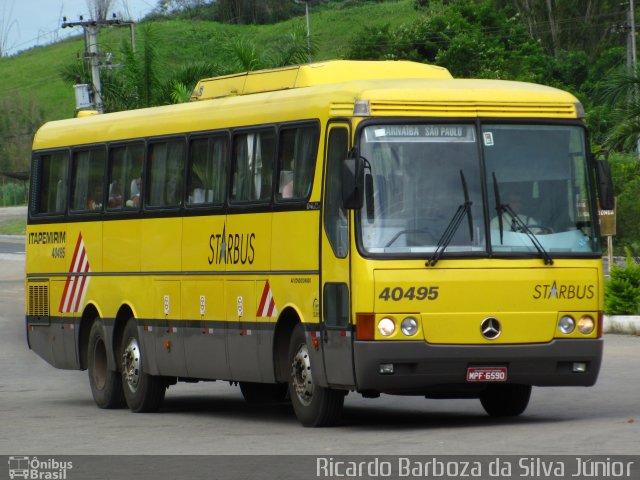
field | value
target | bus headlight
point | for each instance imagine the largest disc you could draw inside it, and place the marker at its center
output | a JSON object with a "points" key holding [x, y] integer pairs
{"points": [[567, 324], [409, 326], [386, 327], [586, 325]]}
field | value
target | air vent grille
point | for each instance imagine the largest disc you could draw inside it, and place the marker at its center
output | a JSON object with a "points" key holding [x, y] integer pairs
{"points": [[38, 301]]}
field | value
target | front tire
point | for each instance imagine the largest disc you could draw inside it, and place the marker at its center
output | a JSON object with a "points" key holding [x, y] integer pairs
{"points": [[314, 406], [106, 384], [506, 400], [143, 392]]}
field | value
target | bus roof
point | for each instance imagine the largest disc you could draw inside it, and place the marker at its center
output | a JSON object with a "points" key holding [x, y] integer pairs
{"points": [[311, 75], [387, 97]]}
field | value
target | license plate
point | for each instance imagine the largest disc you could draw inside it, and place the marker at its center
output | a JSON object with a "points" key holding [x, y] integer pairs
{"points": [[487, 374]]}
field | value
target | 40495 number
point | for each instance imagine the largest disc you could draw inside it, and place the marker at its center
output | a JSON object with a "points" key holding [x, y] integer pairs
{"points": [[396, 294]]}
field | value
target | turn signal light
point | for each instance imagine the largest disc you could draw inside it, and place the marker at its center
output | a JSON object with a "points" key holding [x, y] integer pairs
{"points": [[365, 326]]}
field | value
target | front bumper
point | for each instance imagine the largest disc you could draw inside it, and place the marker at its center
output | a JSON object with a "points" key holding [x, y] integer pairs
{"points": [[421, 368]]}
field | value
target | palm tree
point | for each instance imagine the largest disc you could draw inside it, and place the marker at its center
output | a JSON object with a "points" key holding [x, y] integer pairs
{"points": [[621, 90], [137, 83]]}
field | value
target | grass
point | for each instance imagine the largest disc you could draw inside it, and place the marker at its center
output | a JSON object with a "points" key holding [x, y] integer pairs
{"points": [[14, 226], [36, 72]]}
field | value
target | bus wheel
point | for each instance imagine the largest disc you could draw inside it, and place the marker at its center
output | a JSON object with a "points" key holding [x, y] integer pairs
{"points": [[315, 406], [143, 392], [106, 385], [505, 400], [264, 392]]}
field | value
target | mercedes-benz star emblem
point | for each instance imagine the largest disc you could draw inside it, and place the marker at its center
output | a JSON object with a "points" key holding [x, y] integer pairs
{"points": [[490, 328]]}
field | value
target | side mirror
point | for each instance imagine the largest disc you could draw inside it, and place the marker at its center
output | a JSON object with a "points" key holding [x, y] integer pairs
{"points": [[605, 184], [353, 183]]}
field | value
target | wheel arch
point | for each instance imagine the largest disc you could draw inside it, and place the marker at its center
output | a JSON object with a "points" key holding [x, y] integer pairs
{"points": [[288, 319], [89, 315]]}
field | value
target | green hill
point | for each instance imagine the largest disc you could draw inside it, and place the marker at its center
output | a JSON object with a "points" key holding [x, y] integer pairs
{"points": [[35, 73]]}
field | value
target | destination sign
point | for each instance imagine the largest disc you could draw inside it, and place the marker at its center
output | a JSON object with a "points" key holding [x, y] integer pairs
{"points": [[420, 133]]}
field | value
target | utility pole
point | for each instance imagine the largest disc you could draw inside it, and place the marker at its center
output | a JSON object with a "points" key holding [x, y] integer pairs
{"points": [[92, 55]]}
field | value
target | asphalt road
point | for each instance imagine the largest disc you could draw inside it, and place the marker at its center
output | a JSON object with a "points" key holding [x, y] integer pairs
{"points": [[49, 411]]}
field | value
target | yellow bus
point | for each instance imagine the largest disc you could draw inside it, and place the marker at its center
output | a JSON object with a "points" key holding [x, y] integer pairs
{"points": [[310, 231]]}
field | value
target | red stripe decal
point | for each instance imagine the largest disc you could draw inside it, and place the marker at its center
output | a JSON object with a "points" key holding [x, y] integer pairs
{"points": [[263, 300]]}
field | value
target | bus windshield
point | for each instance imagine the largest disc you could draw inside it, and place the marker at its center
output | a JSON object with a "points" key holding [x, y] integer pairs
{"points": [[421, 175]]}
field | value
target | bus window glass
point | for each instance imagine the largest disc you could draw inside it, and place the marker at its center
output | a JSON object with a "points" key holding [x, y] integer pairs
{"points": [[87, 188], [335, 216], [296, 161], [541, 174], [417, 176], [253, 159], [51, 180], [165, 170], [125, 176], [207, 173]]}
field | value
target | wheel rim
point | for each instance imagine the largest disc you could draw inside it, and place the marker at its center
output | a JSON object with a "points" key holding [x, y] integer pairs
{"points": [[131, 364], [301, 375], [99, 365]]}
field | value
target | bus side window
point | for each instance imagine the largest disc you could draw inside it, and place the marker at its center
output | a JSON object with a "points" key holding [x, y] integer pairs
{"points": [[87, 191], [50, 183], [165, 172], [207, 171], [125, 172], [252, 163], [296, 162], [335, 216]]}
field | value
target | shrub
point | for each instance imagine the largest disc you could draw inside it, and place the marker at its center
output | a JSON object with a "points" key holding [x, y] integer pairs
{"points": [[622, 290]]}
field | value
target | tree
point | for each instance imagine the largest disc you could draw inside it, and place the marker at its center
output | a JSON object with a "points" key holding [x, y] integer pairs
{"points": [[472, 38], [587, 25], [621, 89], [99, 9], [255, 11], [20, 117], [137, 83], [170, 7], [6, 25]]}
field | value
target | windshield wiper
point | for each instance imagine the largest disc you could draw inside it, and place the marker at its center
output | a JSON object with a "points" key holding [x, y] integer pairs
{"points": [[501, 208], [452, 228]]}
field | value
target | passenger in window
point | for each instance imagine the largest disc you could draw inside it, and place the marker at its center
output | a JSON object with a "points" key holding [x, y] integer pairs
{"points": [[95, 202], [286, 184], [115, 195], [173, 190], [134, 201], [198, 192]]}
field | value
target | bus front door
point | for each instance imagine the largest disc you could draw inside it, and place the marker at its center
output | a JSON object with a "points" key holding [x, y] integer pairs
{"points": [[336, 327]]}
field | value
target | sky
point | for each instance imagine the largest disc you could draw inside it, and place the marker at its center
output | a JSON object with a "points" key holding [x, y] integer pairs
{"points": [[27, 23]]}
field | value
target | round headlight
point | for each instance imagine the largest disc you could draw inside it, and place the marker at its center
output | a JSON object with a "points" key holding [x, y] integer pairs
{"points": [[409, 326], [566, 324], [586, 325], [386, 327]]}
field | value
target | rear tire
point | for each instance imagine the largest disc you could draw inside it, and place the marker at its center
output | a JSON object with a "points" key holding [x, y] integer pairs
{"points": [[505, 400], [106, 384], [314, 406], [143, 392], [264, 392]]}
